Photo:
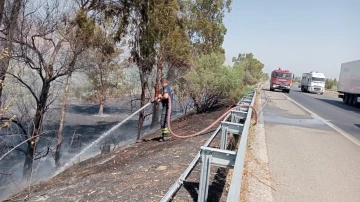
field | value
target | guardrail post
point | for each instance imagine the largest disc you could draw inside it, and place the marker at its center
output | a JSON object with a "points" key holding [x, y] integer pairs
{"points": [[243, 109], [245, 101], [229, 127], [212, 156], [223, 139], [237, 116], [204, 176], [249, 97]]}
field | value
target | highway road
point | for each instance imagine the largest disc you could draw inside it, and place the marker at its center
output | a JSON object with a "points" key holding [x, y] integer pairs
{"points": [[332, 109], [302, 154]]}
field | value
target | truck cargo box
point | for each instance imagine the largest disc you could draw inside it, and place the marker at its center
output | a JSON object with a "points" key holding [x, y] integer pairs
{"points": [[349, 79]]}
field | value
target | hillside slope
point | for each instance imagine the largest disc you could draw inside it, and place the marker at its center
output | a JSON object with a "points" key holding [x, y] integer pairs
{"points": [[140, 172]]}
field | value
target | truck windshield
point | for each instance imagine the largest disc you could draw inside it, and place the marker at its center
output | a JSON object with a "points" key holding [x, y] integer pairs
{"points": [[283, 75], [317, 79]]}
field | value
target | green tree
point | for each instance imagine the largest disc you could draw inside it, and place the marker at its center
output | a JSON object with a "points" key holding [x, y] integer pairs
{"points": [[205, 24], [103, 75], [297, 79], [163, 33], [330, 83], [252, 68], [143, 49], [266, 76], [172, 44]]}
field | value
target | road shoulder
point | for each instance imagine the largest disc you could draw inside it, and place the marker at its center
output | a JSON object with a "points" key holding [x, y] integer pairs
{"points": [[257, 184]]}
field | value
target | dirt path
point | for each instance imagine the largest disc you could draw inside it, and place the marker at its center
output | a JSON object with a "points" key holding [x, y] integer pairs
{"points": [[141, 172]]}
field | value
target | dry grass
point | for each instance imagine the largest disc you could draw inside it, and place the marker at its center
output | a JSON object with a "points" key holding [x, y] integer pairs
{"points": [[254, 168], [249, 157]]}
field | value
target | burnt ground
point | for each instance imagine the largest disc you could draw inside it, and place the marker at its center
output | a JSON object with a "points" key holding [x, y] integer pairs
{"points": [[140, 172]]}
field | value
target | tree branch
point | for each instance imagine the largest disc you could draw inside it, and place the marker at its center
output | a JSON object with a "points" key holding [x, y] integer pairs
{"points": [[17, 123], [5, 173], [26, 85], [35, 136], [55, 52], [59, 75], [33, 47], [47, 152], [17, 149]]}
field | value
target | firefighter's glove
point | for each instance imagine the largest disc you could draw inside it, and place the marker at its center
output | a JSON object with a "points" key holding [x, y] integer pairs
{"points": [[155, 100]]}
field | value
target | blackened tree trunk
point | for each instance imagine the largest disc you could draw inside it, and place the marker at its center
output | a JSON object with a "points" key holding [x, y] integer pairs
{"points": [[5, 60], [36, 131], [2, 5], [29, 158], [142, 103], [156, 106]]}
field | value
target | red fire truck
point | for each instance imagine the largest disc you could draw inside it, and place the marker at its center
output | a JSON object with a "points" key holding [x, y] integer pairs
{"points": [[281, 79]]}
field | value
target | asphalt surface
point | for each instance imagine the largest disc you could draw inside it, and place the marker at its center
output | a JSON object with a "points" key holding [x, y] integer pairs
{"points": [[332, 109], [306, 158]]}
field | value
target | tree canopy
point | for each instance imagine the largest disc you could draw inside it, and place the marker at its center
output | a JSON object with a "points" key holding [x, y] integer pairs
{"points": [[251, 66]]}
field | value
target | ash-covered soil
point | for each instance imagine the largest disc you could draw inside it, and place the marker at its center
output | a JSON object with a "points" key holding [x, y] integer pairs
{"points": [[140, 172]]}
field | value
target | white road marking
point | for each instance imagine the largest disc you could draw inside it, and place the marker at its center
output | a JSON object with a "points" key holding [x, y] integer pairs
{"points": [[337, 129]]}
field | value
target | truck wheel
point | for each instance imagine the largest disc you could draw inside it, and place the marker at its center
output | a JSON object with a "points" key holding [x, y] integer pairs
{"points": [[288, 91], [271, 89], [346, 98], [354, 100], [302, 89], [321, 93], [349, 100]]}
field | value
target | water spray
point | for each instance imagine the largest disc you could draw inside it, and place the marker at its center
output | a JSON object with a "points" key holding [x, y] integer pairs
{"points": [[100, 138], [169, 125]]}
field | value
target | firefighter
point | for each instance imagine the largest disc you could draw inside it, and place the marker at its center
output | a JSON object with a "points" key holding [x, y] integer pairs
{"points": [[165, 94]]}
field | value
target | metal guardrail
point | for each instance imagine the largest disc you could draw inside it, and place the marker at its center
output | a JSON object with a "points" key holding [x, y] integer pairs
{"points": [[222, 157], [236, 180]]}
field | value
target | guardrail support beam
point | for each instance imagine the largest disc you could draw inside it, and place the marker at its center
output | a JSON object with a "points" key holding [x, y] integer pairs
{"points": [[204, 175], [237, 116], [212, 156], [248, 97], [229, 127]]}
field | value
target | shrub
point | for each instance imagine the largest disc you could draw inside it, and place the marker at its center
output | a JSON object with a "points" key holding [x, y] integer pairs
{"points": [[209, 81], [330, 83]]}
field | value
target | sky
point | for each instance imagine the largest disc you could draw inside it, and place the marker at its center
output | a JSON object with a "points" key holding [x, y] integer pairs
{"points": [[301, 36]]}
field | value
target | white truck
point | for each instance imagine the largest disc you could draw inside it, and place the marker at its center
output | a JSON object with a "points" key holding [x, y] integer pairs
{"points": [[349, 82], [313, 82]]}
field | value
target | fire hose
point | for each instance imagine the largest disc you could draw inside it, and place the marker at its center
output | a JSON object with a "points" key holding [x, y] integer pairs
{"points": [[210, 126]]}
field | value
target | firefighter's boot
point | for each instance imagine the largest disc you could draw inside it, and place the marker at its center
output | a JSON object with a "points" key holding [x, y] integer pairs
{"points": [[165, 135]]}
